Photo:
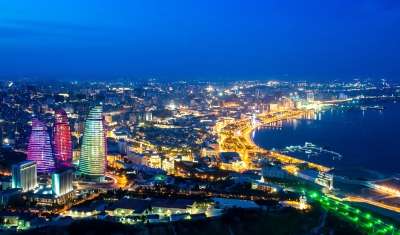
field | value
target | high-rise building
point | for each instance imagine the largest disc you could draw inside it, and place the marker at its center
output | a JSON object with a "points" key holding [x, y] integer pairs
{"points": [[310, 96], [61, 182], [93, 151], [62, 140], [39, 148], [148, 116], [24, 175]]}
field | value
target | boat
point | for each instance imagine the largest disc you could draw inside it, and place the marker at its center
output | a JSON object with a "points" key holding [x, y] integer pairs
{"points": [[375, 107], [378, 107]]}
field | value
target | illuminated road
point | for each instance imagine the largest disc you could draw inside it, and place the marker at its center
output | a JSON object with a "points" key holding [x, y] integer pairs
{"points": [[361, 219], [236, 136], [372, 202]]}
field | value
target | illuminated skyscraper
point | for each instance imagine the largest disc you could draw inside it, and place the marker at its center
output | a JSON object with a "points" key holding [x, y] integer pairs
{"points": [[62, 140], [61, 182], [24, 175], [93, 152], [39, 148]]}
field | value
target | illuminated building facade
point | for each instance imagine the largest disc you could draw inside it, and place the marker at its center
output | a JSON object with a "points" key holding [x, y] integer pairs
{"points": [[93, 152], [39, 148], [62, 140], [61, 182], [24, 176]]}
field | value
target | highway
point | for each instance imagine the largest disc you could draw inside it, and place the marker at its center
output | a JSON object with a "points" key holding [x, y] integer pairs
{"points": [[372, 202], [361, 219]]}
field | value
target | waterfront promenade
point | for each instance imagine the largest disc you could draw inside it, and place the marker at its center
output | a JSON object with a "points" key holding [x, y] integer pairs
{"points": [[237, 136]]}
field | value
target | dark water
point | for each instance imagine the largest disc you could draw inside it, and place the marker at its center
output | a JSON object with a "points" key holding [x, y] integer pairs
{"points": [[369, 139]]}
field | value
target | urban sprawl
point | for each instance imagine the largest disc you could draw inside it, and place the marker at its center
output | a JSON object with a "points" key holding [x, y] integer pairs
{"points": [[152, 152]]}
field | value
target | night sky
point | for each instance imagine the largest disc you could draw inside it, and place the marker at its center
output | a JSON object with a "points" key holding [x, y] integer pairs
{"points": [[167, 39]]}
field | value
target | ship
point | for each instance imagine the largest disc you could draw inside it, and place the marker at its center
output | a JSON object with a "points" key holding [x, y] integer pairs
{"points": [[375, 107]]}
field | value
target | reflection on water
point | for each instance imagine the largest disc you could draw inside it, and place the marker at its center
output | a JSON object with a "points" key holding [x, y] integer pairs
{"points": [[363, 138]]}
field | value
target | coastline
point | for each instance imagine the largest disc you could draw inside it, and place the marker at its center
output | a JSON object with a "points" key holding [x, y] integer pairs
{"points": [[362, 158], [267, 118]]}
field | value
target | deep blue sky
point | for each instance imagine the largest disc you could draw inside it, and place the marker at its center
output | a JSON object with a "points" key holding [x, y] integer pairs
{"points": [[200, 39]]}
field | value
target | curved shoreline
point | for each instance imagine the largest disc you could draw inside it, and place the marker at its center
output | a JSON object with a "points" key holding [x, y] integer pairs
{"points": [[235, 136], [265, 138], [282, 157]]}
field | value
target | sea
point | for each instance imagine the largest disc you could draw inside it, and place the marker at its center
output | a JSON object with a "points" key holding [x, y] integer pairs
{"points": [[349, 137]]}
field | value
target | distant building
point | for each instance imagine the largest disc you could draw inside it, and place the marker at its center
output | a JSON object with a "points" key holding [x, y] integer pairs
{"points": [[87, 210], [265, 186], [148, 116], [121, 133], [195, 170], [208, 152], [129, 207], [310, 96], [286, 103], [7, 195], [24, 176], [320, 178], [230, 161], [171, 206], [343, 96], [5, 182], [123, 147], [61, 182], [225, 203], [45, 196], [155, 161], [274, 172], [273, 107]]}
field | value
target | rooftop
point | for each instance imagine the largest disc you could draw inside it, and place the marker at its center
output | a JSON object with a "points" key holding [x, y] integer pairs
{"points": [[137, 205], [228, 157]]}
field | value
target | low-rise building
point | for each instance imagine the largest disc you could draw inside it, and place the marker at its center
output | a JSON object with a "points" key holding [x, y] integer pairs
{"points": [[129, 207], [226, 203], [168, 207], [89, 210], [231, 161]]}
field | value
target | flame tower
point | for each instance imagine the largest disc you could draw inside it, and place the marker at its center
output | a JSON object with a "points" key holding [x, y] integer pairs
{"points": [[93, 152], [62, 140], [39, 148]]}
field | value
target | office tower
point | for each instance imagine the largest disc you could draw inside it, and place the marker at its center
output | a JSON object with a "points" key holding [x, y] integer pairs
{"points": [[24, 175], [61, 182], [93, 152], [122, 147], [39, 148], [148, 116], [310, 96], [62, 140], [105, 142], [1, 136]]}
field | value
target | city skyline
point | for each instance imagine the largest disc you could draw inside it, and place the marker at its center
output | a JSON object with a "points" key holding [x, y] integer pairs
{"points": [[201, 152], [200, 117]]}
